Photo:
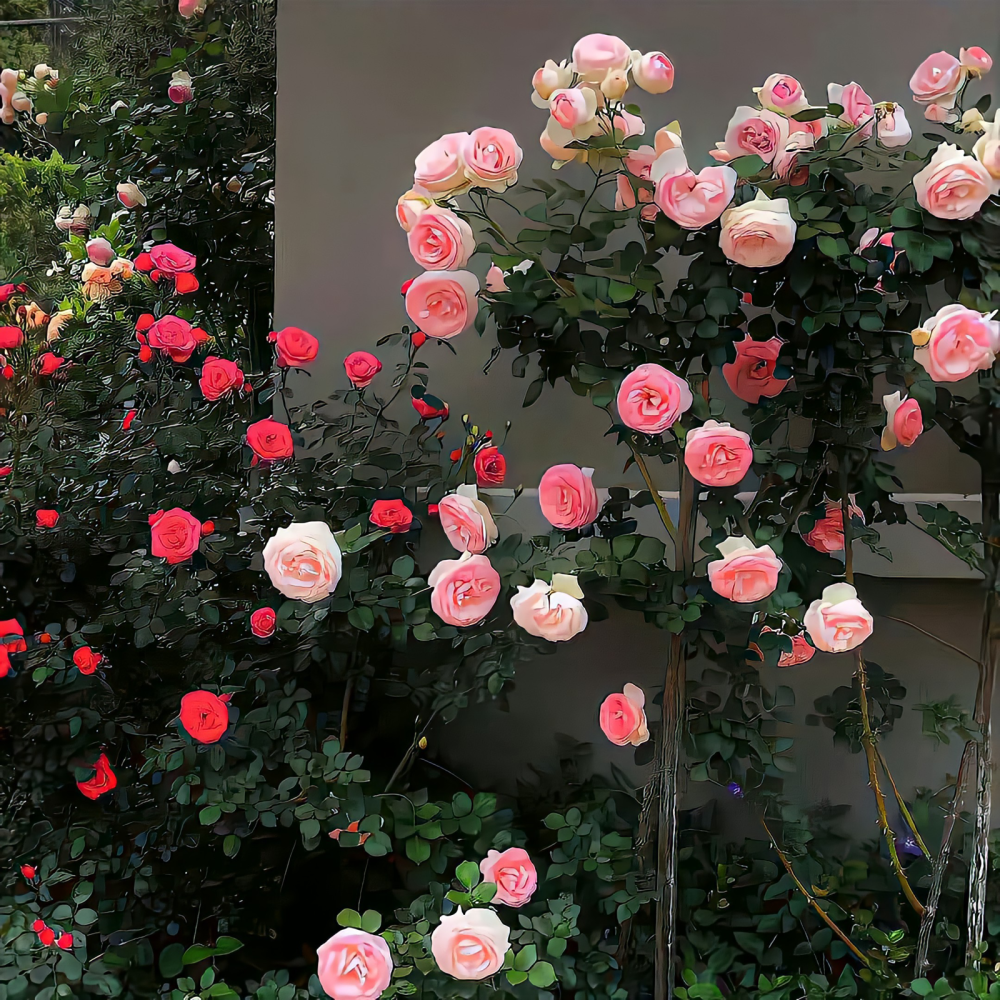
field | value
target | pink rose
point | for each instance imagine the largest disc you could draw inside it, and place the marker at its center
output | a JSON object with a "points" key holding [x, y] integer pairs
{"points": [[175, 337], [987, 147], [492, 157], [495, 281], [470, 945], [552, 611], [440, 241], [935, 113], [717, 454], [639, 162], [594, 55], [409, 207], [859, 109], [758, 233], [442, 303], [782, 93], [904, 422], [354, 965], [751, 375], [838, 621], [467, 521], [567, 497], [513, 874], [100, 251], [176, 535], [745, 573], [623, 717], [191, 8], [955, 342], [651, 399], [937, 80], [653, 73], [691, 200], [953, 185], [975, 59], [574, 107], [464, 590], [219, 377], [304, 561], [181, 87], [439, 169], [827, 534], [802, 651], [361, 368], [172, 260], [753, 132], [296, 348]]}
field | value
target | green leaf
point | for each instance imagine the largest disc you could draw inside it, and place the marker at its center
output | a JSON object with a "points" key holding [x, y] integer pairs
{"points": [[349, 918], [526, 958], [362, 618], [542, 975], [747, 166], [371, 921], [417, 850], [468, 874], [171, 960]]}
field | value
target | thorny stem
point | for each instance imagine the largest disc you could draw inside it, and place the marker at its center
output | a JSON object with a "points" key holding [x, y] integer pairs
{"points": [[903, 807], [661, 507]]}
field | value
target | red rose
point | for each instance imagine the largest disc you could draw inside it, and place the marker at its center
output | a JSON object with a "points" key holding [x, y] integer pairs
{"points": [[185, 284], [219, 377], [207, 528], [145, 353], [144, 322], [127, 422], [8, 371], [204, 716], [65, 940], [430, 407], [7, 292], [171, 259], [12, 636], [38, 925], [262, 623], [176, 534], [46, 518], [295, 347], [6, 470], [47, 936], [28, 871], [270, 440], [491, 467], [418, 339], [173, 336], [391, 514], [49, 363], [456, 455], [144, 262], [405, 286], [361, 368], [87, 660], [103, 780], [10, 337]]}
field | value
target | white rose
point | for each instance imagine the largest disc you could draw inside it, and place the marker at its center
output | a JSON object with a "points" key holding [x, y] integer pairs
{"points": [[551, 611], [759, 233], [304, 561], [838, 621]]}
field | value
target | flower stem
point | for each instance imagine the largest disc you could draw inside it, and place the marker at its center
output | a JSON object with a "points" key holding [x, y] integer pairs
{"points": [[661, 507]]}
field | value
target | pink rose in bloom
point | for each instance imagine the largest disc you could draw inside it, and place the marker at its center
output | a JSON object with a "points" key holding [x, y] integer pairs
{"points": [[758, 233], [304, 561], [439, 169], [470, 945], [181, 88], [651, 399], [295, 347], [490, 466], [176, 535], [219, 378], [975, 59], [838, 621], [782, 93], [653, 73], [751, 375], [354, 965], [513, 874], [937, 80], [491, 157], [859, 109], [594, 55], [100, 252], [175, 337], [361, 368], [567, 497], [827, 534], [691, 200], [270, 440], [953, 185], [745, 573], [172, 260], [262, 623], [440, 241], [467, 521], [464, 590], [955, 342], [639, 162], [753, 132], [442, 303], [551, 611], [409, 207], [904, 422], [623, 717], [573, 107], [717, 454]]}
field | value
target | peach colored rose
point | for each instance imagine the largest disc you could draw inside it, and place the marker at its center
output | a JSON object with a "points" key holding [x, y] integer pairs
{"points": [[594, 55], [354, 965], [751, 375], [623, 717], [304, 561], [904, 422], [441, 241], [409, 207], [361, 368], [439, 169], [975, 59], [953, 185], [555, 141], [176, 535], [653, 72], [782, 93], [549, 78], [717, 454], [758, 233], [573, 107], [691, 200], [745, 573], [937, 80], [491, 157], [753, 132], [892, 128], [838, 621], [470, 945], [651, 399], [464, 590], [955, 342], [513, 873], [567, 497], [551, 611], [467, 521], [987, 147], [443, 303], [859, 109]]}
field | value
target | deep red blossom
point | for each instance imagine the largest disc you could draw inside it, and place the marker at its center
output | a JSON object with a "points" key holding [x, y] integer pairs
{"points": [[418, 339], [204, 716], [47, 936], [262, 623], [129, 417], [49, 363], [65, 940], [29, 872], [46, 518], [103, 780], [87, 660], [10, 337], [391, 514], [491, 467]]}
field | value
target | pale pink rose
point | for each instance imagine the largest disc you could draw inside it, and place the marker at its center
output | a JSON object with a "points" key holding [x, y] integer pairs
{"points": [[554, 142], [574, 107], [892, 128], [691, 200], [745, 573], [130, 195], [409, 205], [758, 233], [548, 79], [975, 59], [304, 561], [623, 717], [751, 375], [470, 945], [959, 341], [717, 454], [859, 109], [354, 965], [786, 159], [838, 622], [937, 80], [100, 251], [567, 497], [439, 169], [492, 157], [639, 162], [513, 873], [626, 125], [753, 132], [802, 651], [467, 521], [987, 147], [953, 185], [551, 611], [464, 590], [653, 73], [936, 113], [782, 93], [442, 303], [495, 281], [441, 241], [904, 422], [651, 399], [595, 54]]}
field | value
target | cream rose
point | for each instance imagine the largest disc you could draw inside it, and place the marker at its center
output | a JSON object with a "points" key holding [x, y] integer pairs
{"points": [[953, 185], [304, 561], [955, 342], [987, 147], [551, 611], [549, 78], [838, 621], [439, 169], [470, 945], [758, 233], [467, 521]]}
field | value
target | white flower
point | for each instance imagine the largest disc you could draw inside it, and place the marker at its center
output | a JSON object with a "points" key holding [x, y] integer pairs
{"points": [[551, 611]]}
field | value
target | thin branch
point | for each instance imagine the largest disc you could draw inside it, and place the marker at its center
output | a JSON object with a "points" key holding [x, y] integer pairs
{"points": [[936, 638], [661, 507], [903, 808]]}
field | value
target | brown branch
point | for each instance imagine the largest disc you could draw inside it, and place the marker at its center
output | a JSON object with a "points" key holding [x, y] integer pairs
{"points": [[931, 635], [661, 507], [903, 808]]}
